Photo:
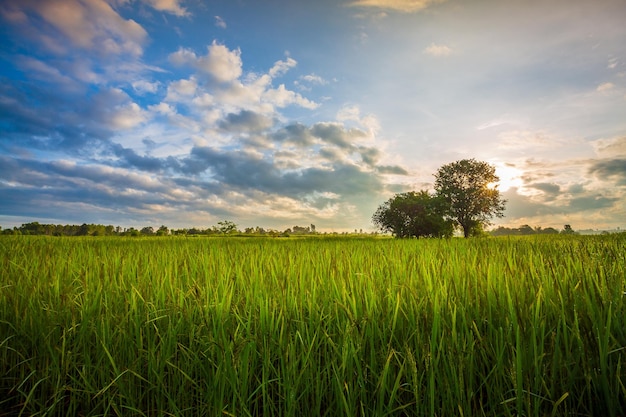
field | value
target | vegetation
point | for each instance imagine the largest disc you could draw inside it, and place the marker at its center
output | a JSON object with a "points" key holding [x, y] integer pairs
{"points": [[470, 190], [224, 227], [466, 195], [526, 230], [157, 326], [413, 214]]}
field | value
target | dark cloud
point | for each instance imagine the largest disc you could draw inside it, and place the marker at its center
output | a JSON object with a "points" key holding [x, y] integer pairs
{"points": [[519, 205], [246, 121], [576, 189], [331, 154], [370, 156], [592, 202], [548, 188], [336, 134], [243, 171], [296, 133], [334, 141], [392, 169], [129, 158], [77, 124], [610, 170], [556, 201], [38, 118]]}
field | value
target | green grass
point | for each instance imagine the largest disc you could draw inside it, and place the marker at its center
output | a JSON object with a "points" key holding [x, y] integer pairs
{"points": [[296, 327]]}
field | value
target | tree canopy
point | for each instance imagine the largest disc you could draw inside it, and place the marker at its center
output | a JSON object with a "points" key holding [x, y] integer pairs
{"points": [[413, 214], [470, 190], [466, 194]]}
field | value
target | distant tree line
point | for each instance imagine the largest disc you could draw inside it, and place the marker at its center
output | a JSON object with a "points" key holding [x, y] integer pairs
{"points": [[526, 230], [222, 228], [36, 228]]}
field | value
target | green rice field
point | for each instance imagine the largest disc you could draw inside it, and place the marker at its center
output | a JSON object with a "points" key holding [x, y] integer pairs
{"points": [[173, 326]]}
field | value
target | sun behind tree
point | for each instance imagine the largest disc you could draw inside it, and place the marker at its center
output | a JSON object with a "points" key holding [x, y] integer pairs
{"points": [[470, 190]]}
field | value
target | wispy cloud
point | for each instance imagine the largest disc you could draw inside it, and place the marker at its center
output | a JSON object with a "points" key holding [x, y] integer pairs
{"points": [[405, 6], [143, 86], [612, 147], [605, 88], [170, 6], [220, 23], [281, 67], [438, 50]]}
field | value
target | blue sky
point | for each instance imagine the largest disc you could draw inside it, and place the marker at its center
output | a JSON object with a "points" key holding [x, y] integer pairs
{"points": [[286, 112]]}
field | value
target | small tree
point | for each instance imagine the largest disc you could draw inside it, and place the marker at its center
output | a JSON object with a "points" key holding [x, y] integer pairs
{"points": [[567, 230], [148, 230], [413, 214], [470, 191], [227, 227]]}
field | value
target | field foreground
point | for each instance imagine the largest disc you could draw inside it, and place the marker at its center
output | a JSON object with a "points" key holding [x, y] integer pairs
{"points": [[313, 327]]}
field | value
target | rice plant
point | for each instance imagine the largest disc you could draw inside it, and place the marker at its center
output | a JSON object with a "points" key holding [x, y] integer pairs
{"points": [[290, 327]]}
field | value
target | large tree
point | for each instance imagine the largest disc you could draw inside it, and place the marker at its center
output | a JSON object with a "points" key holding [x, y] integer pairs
{"points": [[413, 214], [470, 190]]}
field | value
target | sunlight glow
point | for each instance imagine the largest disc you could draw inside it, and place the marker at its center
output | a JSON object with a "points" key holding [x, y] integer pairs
{"points": [[510, 177]]}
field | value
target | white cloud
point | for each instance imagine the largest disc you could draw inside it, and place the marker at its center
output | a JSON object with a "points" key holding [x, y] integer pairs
{"points": [[116, 110], [406, 6], [143, 86], [438, 50], [235, 92], [127, 116], [304, 82], [91, 24], [182, 89], [281, 67], [526, 139], [221, 63], [352, 113], [281, 97], [170, 6], [183, 56], [163, 108], [219, 22], [613, 147], [313, 79], [204, 100], [605, 88]]}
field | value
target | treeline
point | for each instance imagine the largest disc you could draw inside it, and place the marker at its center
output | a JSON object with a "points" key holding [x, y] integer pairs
{"points": [[36, 228], [222, 228], [525, 230]]}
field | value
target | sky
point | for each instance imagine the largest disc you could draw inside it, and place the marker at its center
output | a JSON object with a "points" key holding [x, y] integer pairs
{"points": [[276, 113]]}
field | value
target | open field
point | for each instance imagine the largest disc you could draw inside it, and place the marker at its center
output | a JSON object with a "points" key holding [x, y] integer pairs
{"points": [[310, 327]]}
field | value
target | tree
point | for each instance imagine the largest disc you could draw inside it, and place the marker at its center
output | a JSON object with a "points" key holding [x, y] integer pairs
{"points": [[413, 214], [227, 227], [148, 230], [470, 191], [567, 230]]}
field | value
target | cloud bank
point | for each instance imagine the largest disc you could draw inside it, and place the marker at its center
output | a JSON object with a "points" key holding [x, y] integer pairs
{"points": [[209, 140]]}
